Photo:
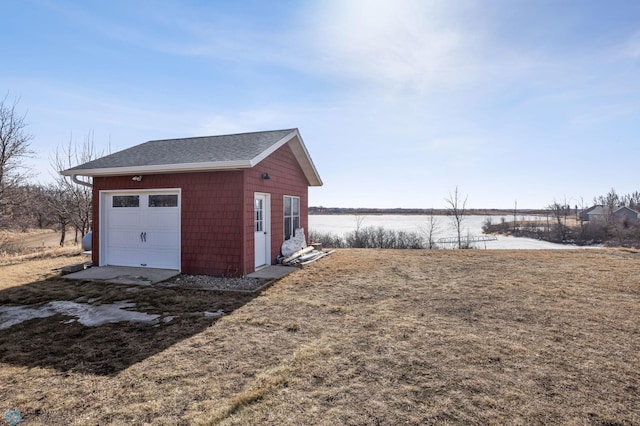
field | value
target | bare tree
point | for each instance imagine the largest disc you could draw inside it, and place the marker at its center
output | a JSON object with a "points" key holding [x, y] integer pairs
{"points": [[358, 240], [456, 208], [14, 147], [560, 212], [32, 210], [612, 199], [634, 200], [613, 223], [580, 217], [77, 197], [610, 202], [431, 230], [58, 205]]}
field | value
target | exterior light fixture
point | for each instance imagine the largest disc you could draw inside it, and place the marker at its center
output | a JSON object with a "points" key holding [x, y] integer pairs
{"points": [[265, 176], [137, 178]]}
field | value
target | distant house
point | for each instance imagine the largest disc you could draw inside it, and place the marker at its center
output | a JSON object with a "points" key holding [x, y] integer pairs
{"points": [[603, 213], [584, 214], [216, 205], [625, 214]]}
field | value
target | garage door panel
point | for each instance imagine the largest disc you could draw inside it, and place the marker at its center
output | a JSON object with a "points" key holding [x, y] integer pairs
{"points": [[124, 238], [145, 233], [166, 218], [125, 218], [125, 256]]}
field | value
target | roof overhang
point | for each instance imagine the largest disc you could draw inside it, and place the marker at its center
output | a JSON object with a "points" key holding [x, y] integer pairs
{"points": [[299, 151], [161, 168], [293, 139]]}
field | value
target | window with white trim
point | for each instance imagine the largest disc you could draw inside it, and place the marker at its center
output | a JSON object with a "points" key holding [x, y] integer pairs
{"points": [[163, 200], [291, 215], [125, 201], [258, 216]]}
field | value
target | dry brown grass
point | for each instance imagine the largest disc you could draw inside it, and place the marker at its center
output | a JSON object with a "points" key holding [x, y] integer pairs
{"points": [[360, 337], [43, 244]]}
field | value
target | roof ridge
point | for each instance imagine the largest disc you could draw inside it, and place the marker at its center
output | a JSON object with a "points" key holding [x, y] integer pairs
{"points": [[221, 136]]}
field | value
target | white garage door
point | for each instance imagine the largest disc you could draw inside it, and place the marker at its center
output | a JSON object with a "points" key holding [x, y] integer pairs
{"points": [[142, 229]]}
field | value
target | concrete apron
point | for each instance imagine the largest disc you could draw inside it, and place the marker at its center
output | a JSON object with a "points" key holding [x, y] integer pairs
{"points": [[124, 275], [272, 272]]}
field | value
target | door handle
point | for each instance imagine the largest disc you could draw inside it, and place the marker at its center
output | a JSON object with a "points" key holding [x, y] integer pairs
{"points": [[141, 240], [145, 237]]}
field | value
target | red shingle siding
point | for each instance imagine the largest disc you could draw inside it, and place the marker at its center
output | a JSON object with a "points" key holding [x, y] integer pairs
{"points": [[287, 178], [217, 211], [211, 205]]}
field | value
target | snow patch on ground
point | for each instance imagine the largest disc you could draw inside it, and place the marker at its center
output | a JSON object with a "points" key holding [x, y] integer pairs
{"points": [[12, 315], [217, 313], [512, 243], [87, 315]]}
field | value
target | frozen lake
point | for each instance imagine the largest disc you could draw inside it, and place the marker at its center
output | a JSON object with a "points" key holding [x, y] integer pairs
{"points": [[472, 225]]}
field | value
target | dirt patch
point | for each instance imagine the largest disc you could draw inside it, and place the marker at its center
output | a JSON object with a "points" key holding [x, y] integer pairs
{"points": [[360, 337]]}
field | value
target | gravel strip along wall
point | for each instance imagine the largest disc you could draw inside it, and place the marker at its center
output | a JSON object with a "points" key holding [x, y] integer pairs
{"points": [[208, 282]]}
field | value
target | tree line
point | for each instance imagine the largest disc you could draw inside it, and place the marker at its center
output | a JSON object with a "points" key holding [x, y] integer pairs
{"points": [[567, 223], [321, 210], [61, 204]]}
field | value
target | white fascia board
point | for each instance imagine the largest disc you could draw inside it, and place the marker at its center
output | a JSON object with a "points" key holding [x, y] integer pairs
{"points": [[299, 151], [163, 168], [273, 148], [303, 157]]}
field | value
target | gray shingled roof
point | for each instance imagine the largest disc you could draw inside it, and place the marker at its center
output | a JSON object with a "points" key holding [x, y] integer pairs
{"points": [[210, 153], [597, 210], [208, 149]]}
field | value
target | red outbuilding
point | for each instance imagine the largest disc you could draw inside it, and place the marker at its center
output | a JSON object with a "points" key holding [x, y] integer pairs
{"points": [[215, 205]]}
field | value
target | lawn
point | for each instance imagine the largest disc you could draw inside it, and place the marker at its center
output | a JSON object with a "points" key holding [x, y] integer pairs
{"points": [[359, 337]]}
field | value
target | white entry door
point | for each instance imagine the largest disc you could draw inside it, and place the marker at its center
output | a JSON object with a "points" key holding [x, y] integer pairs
{"points": [[141, 229], [261, 226]]}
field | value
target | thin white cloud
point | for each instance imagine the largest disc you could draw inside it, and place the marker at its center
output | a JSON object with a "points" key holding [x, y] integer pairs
{"points": [[631, 47], [451, 145], [421, 46], [266, 118], [165, 28], [402, 43], [414, 86], [596, 115], [454, 151]]}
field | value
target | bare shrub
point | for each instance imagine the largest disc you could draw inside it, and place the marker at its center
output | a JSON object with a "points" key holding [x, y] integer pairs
{"points": [[11, 248], [327, 239], [411, 240], [382, 238], [371, 237]]}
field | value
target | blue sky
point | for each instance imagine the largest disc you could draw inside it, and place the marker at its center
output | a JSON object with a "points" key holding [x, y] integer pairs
{"points": [[398, 101]]}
